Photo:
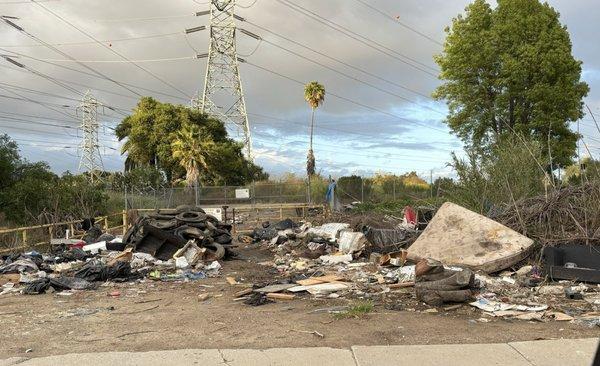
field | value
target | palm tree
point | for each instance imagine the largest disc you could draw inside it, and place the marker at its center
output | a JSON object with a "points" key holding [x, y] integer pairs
{"points": [[192, 150], [314, 93]]}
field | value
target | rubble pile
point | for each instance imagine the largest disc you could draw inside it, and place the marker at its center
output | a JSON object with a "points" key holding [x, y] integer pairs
{"points": [[459, 258], [459, 261], [182, 244]]}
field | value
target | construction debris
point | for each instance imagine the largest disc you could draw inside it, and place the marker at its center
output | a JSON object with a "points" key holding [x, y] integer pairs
{"points": [[456, 259]]}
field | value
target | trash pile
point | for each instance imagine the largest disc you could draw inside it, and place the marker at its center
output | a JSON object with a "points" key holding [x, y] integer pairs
{"points": [[182, 244], [460, 257]]}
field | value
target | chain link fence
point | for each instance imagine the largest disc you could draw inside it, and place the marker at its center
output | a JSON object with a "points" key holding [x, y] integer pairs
{"points": [[253, 194], [348, 190]]}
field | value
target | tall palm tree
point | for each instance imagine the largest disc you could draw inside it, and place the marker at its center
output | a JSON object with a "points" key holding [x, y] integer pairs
{"points": [[192, 150], [314, 94]]}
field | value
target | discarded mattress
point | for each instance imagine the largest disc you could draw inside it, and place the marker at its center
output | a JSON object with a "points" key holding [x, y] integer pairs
{"points": [[457, 236]]}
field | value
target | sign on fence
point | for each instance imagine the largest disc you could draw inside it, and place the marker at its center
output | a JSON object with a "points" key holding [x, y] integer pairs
{"points": [[242, 193]]}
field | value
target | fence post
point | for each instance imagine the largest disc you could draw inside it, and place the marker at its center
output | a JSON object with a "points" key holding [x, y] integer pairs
{"points": [[105, 223], [281, 193], [51, 232], [24, 237], [225, 191], [394, 187], [196, 193], [362, 190], [124, 221]]}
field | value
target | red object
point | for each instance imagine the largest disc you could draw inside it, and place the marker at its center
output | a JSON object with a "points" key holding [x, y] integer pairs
{"points": [[78, 245], [410, 215], [114, 294]]}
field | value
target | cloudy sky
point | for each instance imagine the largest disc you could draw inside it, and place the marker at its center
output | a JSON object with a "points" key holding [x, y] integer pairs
{"points": [[373, 56]]}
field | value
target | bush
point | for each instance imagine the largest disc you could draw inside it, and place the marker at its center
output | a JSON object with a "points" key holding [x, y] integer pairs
{"points": [[511, 171]]}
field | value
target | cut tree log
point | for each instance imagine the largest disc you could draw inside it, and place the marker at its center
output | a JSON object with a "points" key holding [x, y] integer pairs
{"points": [[437, 298]]}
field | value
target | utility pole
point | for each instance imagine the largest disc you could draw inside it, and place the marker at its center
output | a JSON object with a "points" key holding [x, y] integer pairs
{"points": [[431, 181], [91, 160], [223, 96]]}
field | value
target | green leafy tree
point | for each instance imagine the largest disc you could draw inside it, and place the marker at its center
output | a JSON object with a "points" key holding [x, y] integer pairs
{"points": [[151, 129], [9, 161], [314, 94], [510, 70]]}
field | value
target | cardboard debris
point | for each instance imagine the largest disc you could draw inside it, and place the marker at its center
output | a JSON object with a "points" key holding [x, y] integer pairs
{"points": [[457, 236]]}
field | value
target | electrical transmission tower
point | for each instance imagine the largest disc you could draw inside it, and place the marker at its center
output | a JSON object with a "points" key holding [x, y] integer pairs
{"points": [[223, 96], [91, 160]]}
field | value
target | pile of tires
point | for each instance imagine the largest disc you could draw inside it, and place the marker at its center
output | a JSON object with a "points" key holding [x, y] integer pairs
{"points": [[182, 224]]}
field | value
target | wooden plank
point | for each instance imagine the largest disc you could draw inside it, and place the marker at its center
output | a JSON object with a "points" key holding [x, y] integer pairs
{"points": [[278, 296], [317, 280]]}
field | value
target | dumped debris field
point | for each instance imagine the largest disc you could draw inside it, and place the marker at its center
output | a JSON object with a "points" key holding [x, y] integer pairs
{"points": [[154, 315]]}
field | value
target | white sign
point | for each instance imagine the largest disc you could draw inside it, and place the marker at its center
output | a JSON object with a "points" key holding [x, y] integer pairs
{"points": [[214, 211], [242, 193]]}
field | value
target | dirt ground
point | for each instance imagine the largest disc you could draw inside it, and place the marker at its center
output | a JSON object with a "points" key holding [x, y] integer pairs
{"points": [[162, 316]]}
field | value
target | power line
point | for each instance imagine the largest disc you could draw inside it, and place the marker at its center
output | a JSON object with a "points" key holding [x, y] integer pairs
{"points": [[116, 40], [354, 78], [111, 49], [167, 17], [121, 61], [360, 38], [397, 21], [345, 99], [45, 105], [10, 23], [23, 2], [24, 99], [92, 75], [33, 91], [20, 120], [338, 60], [43, 133]]}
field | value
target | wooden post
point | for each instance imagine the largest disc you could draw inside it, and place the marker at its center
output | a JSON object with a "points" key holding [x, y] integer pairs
{"points": [[124, 221], [106, 223], [51, 232], [72, 229], [24, 236], [281, 212], [233, 223]]}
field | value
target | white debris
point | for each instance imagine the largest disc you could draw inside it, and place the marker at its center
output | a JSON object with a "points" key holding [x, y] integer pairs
{"points": [[336, 259]]}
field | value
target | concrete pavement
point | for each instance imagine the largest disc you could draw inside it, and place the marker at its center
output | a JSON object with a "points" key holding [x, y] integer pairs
{"points": [[572, 352]]}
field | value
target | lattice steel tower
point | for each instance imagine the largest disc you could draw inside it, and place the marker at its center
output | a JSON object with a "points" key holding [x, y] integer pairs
{"points": [[223, 94], [91, 160]]}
